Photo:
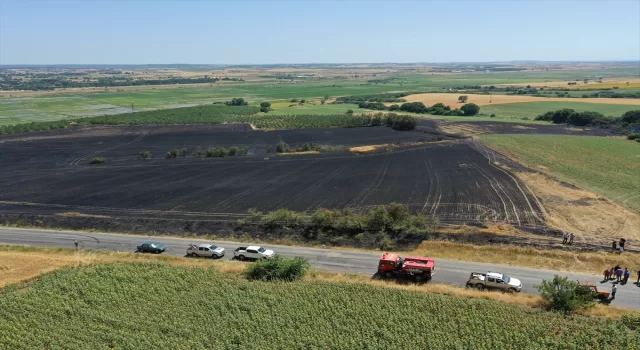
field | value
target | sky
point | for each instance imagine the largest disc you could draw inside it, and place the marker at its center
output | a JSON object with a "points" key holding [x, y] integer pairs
{"points": [[272, 32]]}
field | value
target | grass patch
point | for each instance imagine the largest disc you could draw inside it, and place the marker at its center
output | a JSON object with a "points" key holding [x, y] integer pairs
{"points": [[152, 305], [98, 160], [533, 109], [606, 166]]}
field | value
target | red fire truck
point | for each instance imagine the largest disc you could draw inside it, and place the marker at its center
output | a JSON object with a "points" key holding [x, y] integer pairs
{"points": [[415, 268]]}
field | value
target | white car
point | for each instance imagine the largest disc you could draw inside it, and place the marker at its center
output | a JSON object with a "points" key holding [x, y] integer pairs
{"points": [[253, 252], [205, 250]]}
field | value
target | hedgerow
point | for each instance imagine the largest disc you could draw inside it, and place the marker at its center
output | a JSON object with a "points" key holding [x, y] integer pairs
{"points": [[278, 269]]}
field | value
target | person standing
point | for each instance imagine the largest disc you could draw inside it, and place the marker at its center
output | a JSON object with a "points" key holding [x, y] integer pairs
{"points": [[638, 281], [613, 291], [613, 246], [618, 274], [75, 243], [627, 274], [571, 237], [565, 237]]}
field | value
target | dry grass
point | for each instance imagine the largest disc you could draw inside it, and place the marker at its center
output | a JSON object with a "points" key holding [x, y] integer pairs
{"points": [[298, 153], [76, 214], [19, 264], [594, 219], [552, 259], [606, 83], [391, 146], [24, 263], [483, 100]]}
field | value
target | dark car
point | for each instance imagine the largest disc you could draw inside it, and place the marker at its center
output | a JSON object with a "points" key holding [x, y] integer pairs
{"points": [[151, 247]]}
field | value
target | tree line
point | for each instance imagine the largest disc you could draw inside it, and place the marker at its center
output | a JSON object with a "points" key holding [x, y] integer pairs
{"points": [[628, 120], [62, 83], [469, 109]]}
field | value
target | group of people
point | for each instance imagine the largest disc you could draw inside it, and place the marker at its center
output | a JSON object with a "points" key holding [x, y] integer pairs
{"points": [[619, 275], [567, 238], [620, 245]]}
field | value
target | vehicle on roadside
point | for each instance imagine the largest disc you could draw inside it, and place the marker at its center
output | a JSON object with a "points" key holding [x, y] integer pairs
{"points": [[415, 268], [151, 247], [494, 280], [253, 252], [593, 288], [206, 251]]}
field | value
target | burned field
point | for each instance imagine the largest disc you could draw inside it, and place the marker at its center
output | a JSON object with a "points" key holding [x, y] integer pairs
{"points": [[49, 175]]}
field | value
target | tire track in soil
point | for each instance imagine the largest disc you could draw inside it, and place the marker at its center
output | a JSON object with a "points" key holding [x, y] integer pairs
{"points": [[226, 202], [315, 186], [138, 138], [374, 185]]}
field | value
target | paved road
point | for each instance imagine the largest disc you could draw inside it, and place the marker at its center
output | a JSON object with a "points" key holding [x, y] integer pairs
{"points": [[448, 271]]}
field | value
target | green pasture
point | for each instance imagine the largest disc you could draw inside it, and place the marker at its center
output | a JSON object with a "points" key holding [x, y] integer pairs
{"points": [[533, 109], [604, 165]]}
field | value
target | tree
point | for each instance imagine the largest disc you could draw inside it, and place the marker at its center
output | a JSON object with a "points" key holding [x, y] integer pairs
{"points": [[323, 101], [265, 107], [463, 98], [631, 117], [326, 97], [564, 295], [236, 102], [470, 109]]}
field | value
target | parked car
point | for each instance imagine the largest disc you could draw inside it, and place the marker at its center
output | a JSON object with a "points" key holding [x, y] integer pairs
{"points": [[205, 250], [494, 280], [151, 247], [253, 252]]}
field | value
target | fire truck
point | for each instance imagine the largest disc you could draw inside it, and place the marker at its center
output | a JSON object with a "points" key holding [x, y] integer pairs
{"points": [[415, 268]]}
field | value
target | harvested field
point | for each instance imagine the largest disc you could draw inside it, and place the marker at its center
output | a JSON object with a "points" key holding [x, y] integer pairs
{"points": [[450, 181], [483, 100]]}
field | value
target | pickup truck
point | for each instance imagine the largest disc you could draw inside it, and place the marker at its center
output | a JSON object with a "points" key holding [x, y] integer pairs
{"points": [[206, 251], [253, 253], [494, 280]]}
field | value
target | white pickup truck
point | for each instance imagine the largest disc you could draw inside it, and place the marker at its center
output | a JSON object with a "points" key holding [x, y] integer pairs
{"points": [[253, 252], [206, 251], [494, 280]]}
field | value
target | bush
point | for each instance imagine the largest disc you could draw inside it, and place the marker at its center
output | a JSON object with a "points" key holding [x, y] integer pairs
{"points": [[144, 155], [394, 107], [492, 115], [236, 102], [413, 107], [585, 118], [402, 122], [278, 269], [470, 109], [564, 295], [98, 160], [217, 152], [176, 152], [282, 147], [631, 117], [350, 111], [634, 136]]}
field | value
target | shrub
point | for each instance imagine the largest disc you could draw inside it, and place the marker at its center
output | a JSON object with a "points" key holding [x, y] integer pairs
{"points": [[350, 111], [394, 107], [282, 147], [402, 122], [98, 160], [278, 269], [413, 107], [176, 152], [585, 118], [564, 295], [236, 102], [470, 109], [144, 155], [199, 152], [634, 136], [631, 117], [217, 152], [492, 115]]}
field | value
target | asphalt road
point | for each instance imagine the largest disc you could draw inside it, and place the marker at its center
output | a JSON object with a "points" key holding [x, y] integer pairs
{"points": [[447, 271]]}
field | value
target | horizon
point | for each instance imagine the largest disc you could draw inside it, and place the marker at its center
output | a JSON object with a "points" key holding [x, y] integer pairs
{"points": [[285, 33]]}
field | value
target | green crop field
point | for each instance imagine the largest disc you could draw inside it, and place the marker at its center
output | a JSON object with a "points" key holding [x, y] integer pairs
{"points": [[39, 108], [533, 109], [607, 166], [138, 306]]}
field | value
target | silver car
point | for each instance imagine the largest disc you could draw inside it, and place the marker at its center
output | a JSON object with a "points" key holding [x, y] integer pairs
{"points": [[206, 251]]}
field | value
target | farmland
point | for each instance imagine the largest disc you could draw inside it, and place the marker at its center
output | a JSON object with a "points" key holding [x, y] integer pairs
{"points": [[533, 109], [445, 179], [124, 313], [260, 84]]}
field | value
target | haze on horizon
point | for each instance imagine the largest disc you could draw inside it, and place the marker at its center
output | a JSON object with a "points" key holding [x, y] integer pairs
{"points": [[283, 32]]}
